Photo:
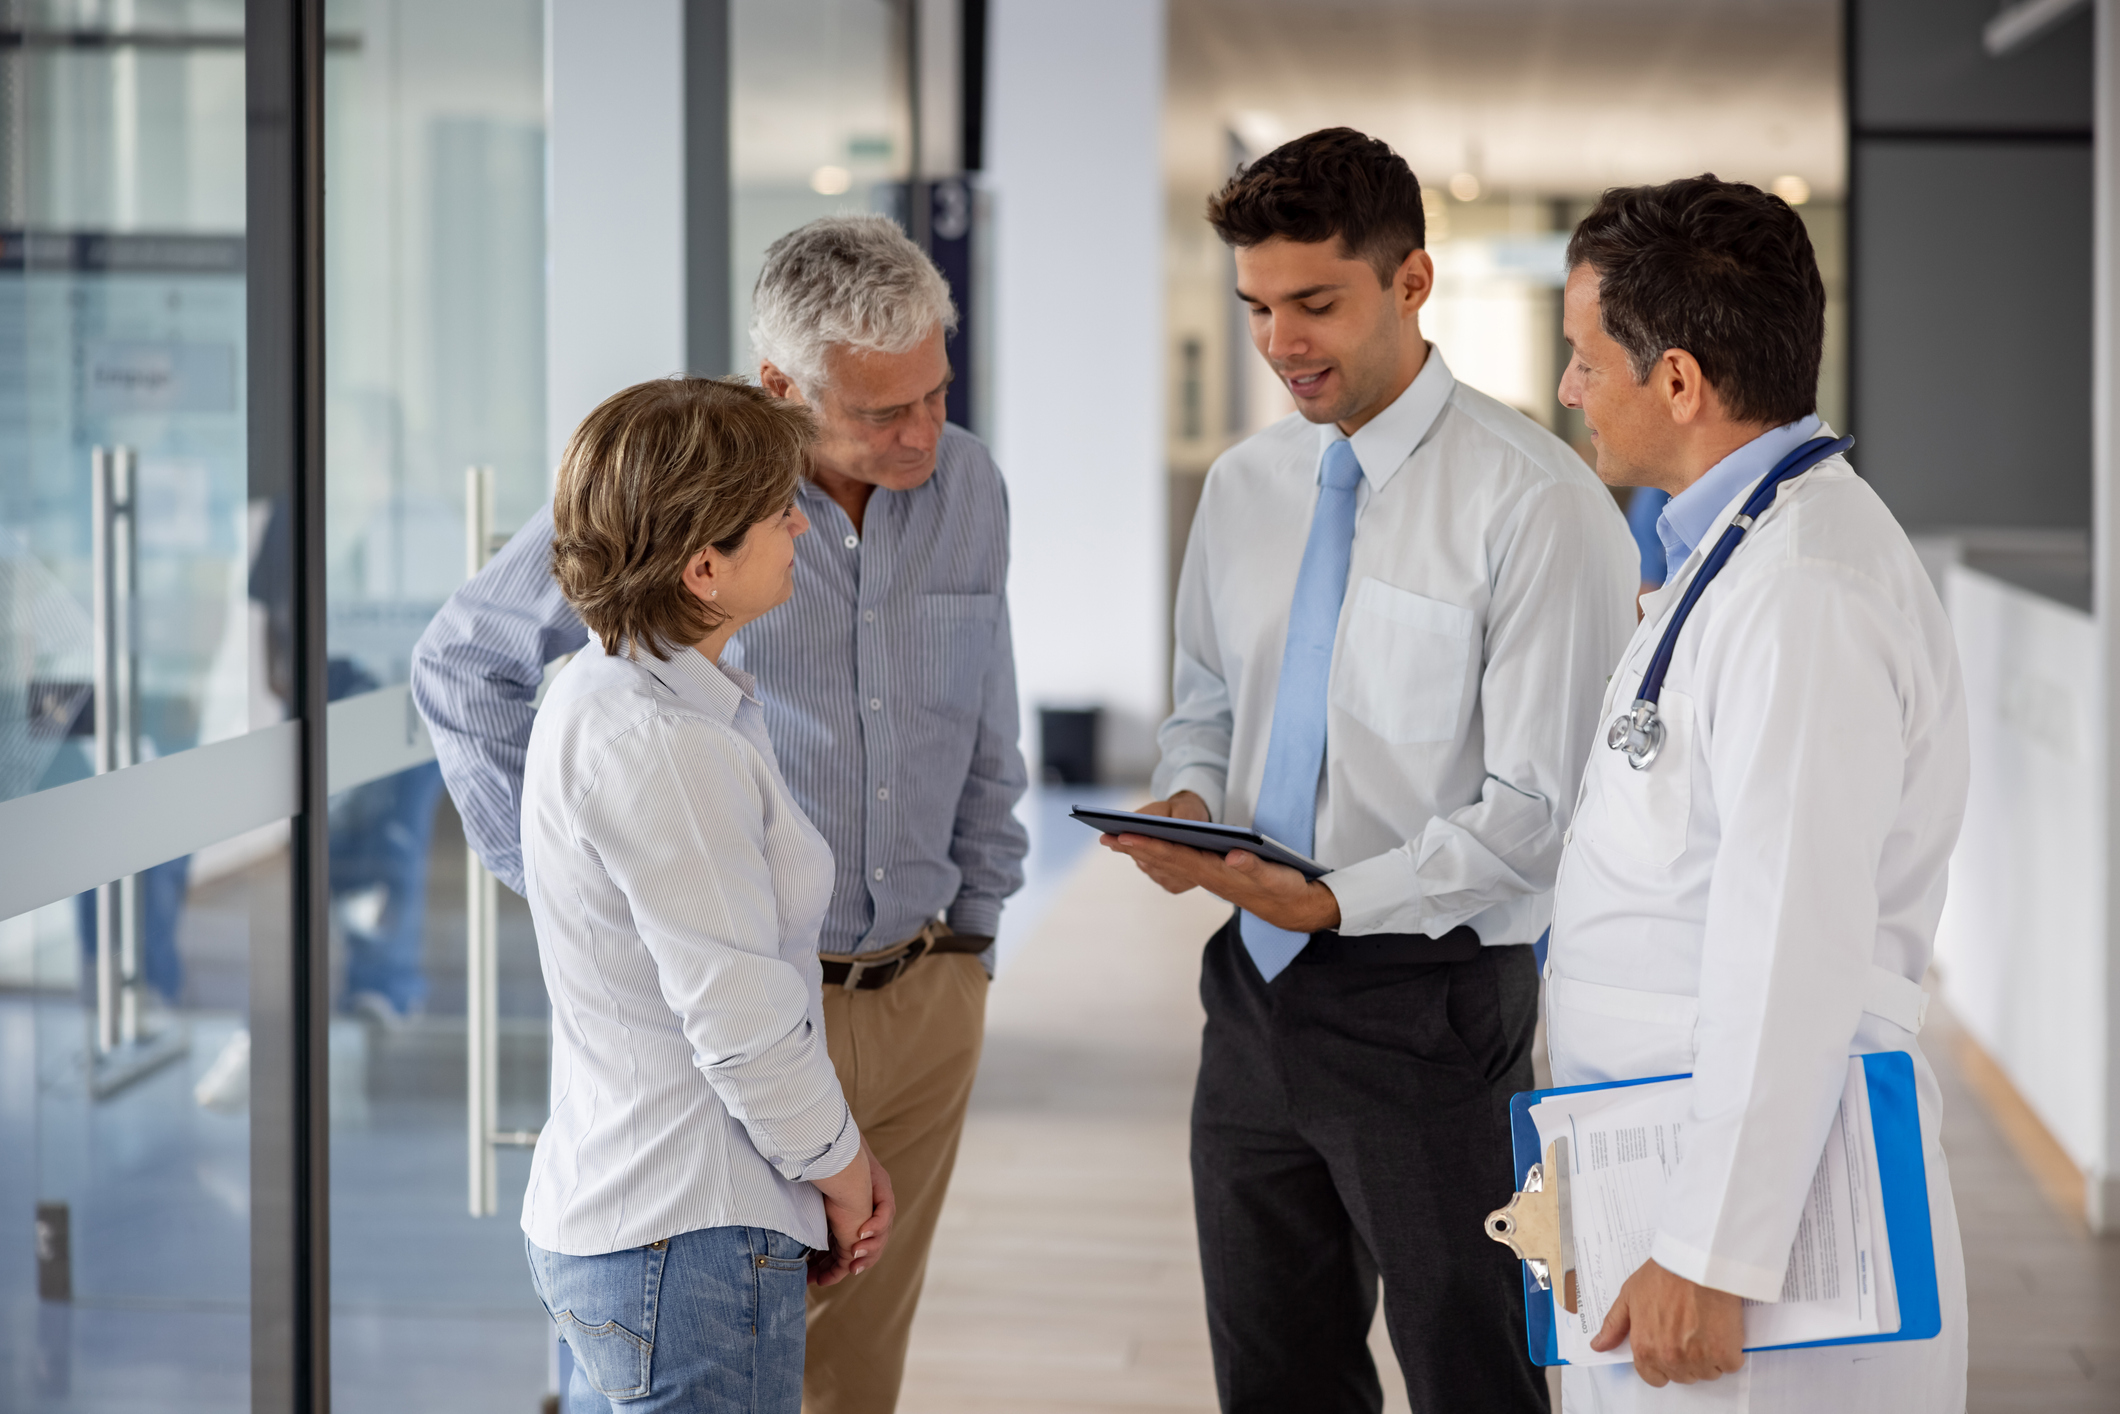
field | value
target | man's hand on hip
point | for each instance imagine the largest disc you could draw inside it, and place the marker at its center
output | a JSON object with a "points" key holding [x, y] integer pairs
{"points": [[1274, 892], [1681, 1330]]}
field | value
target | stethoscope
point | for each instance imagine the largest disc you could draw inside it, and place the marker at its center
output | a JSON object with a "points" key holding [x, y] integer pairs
{"points": [[1637, 731]]}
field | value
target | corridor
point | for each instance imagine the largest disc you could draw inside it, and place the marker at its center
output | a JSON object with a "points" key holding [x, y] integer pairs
{"points": [[1064, 1279]]}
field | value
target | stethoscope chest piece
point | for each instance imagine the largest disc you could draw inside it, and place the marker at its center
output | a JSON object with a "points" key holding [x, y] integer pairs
{"points": [[1638, 733]]}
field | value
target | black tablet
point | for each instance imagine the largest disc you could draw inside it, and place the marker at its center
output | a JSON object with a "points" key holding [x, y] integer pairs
{"points": [[1200, 834]]}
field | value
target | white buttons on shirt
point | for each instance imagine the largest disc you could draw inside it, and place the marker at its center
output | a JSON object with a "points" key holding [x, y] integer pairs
{"points": [[879, 874], [868, 616], [1568, 835], [883, 792], [875, 704], [852, 541]]}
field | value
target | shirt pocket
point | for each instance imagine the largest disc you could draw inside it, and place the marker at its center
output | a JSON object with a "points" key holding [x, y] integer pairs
{"points": [[954, 642], [1402, 664], [1648, 811]]}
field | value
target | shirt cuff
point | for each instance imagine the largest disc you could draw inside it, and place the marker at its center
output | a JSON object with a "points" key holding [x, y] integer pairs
{"points": [[968, 915], [1373, 891], [1205, 782], [975, 915], [832, 1160], [1683, 1259]]}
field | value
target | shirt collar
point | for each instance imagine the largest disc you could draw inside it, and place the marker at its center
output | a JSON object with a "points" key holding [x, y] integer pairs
{"points": [[701, 683], [1692, 513], [1385, 441]]}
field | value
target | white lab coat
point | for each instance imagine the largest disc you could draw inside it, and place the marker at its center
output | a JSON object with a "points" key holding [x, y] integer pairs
{"points": [[1756, 906]]}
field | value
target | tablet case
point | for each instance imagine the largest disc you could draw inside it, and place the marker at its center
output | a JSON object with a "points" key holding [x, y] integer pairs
{"points": [[1199, 835]]}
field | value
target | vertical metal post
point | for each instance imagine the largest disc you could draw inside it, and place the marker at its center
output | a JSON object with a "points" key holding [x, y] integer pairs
{"points": [[481, 926], [482, 1021], [125, 658], [113, 568], [103, 595]]}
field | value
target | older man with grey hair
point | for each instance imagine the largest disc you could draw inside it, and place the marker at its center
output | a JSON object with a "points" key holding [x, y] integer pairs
{"points": [[889, 687]]}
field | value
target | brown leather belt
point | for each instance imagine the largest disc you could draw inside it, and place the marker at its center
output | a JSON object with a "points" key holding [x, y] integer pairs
{"points": [[865, 972], [1460, 944]]}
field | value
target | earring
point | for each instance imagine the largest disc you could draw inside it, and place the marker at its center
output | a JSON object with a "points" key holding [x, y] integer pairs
{"points": [[713, 593]]}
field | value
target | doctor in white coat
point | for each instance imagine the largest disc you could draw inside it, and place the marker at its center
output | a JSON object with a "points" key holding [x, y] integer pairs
{"points": [[1758, 902]]}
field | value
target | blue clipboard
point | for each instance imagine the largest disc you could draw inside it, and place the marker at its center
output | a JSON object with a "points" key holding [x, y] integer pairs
{"points": [[1895, 1121]]}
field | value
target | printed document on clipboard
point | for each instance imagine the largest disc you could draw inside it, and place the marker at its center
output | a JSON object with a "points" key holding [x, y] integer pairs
{"points": [[1862, 1267]]}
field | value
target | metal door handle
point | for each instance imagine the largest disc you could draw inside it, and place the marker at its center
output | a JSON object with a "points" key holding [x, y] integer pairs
{"points": [[482, 900], [121, 1054]]}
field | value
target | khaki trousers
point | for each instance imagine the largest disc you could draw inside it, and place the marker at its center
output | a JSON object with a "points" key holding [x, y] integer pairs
{"points": [[906, 1056]]}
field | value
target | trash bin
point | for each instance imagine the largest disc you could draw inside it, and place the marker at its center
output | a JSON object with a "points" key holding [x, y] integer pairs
{"points": [[1067, 745]]}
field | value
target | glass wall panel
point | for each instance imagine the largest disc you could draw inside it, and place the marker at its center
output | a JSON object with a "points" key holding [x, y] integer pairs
{"points": [[134, 624], [121, 347], [819, 123], [435, 359], [135, 1291]]}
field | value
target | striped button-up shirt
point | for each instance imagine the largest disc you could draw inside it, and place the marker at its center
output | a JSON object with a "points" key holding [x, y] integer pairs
{"points": [[677, 891], [889, 684]]}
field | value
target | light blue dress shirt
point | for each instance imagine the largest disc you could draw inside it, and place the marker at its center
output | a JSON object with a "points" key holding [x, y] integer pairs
{"points": [[1692, 513], [889, 684]]}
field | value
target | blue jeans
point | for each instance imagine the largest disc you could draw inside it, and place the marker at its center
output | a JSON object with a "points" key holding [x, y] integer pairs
{"points": [[707, 1322], [162, 890], [381, 834]]}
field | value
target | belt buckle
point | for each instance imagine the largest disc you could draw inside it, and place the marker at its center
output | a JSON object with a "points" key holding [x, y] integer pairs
{"points": [[916, 948]]}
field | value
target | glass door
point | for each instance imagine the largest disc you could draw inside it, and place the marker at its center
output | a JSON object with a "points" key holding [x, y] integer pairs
{"points": [[435, 428], [146, 769]]}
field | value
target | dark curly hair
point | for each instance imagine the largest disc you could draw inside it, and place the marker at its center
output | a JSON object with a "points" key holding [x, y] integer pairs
{"points": [[1335, 182], [1722, 270]]}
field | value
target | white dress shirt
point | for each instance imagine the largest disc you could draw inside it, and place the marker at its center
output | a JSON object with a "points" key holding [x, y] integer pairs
{"points": [[1759, 904], [677, 891], [1490, 590]]}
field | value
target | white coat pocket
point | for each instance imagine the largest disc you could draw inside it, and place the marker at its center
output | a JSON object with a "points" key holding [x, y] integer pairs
{"points": [[1402, 666], [1598, 1033], [1647, 812]]}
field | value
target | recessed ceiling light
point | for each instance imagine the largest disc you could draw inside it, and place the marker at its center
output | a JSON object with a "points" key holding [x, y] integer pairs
{"points": [[830, 181], [1792, 189], [1465, 187]]}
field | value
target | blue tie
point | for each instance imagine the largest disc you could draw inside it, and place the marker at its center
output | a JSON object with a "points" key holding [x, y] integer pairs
{"points": [[1295, 752]]}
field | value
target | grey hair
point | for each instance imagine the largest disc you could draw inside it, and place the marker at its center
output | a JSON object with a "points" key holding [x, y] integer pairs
{"points": [[849, 280]]}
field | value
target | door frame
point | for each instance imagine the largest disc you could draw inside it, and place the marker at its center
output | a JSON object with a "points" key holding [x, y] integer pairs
{"points": [[290, 1198]]}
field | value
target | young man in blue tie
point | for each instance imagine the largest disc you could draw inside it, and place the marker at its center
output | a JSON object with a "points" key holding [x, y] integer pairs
{"points": [[1394, 623]]}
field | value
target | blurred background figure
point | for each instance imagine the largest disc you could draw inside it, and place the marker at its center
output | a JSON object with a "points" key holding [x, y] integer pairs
{"points": [[381, 838], [1644, 505]]}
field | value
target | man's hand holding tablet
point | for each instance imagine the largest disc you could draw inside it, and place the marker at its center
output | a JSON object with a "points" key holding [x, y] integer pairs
{"points": [[1278, 893]]}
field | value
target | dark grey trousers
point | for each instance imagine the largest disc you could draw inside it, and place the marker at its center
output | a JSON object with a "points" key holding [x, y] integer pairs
{"points": [[1351, 1121]]}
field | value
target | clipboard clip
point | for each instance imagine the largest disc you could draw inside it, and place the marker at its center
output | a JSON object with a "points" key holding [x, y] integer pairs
{"points": [[1538, 1225]]}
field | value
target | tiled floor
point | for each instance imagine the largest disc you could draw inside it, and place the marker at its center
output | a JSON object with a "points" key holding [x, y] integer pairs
{"points": [[2044, 1296], [1065, 1279]]}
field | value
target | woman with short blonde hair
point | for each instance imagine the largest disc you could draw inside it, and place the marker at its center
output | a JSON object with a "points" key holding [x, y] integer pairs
{"points": [[700, 1159]]}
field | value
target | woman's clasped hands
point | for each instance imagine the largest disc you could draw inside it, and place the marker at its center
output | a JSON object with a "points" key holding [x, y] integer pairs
{"points": [[858, 1209]]}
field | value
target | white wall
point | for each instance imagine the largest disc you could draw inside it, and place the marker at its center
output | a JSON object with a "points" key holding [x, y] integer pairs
{"points": [[616, 232], [2022, 932], [1074, 159], [2104, 1186]]}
